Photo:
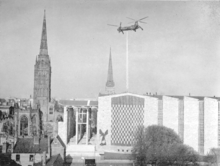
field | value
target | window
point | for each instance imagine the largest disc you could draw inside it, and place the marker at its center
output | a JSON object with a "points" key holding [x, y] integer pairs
{"points": [[51, 110], [24, 126], [17, 157], [82, 116], [31, 158]]}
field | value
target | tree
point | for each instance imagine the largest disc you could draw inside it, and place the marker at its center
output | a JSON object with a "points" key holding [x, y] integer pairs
{"points": [[158, 145], [5, 160], [213, 156]]}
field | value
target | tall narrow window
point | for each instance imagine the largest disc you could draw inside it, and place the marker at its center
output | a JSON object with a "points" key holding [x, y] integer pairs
{"points": [[51, 110], [24, 126]]}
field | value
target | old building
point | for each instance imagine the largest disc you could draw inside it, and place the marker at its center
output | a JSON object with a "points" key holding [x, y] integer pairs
{"points": [[42, 76], [31, 151], [195, 119]]}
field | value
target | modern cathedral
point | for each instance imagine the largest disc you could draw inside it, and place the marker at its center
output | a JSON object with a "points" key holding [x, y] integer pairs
{"points": [[92, 128]]}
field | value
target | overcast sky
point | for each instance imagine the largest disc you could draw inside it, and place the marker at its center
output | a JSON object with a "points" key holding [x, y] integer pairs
{"points": [[177, 53]]}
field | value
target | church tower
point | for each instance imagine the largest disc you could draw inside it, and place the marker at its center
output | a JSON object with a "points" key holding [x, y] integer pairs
{"points": [[110, 85], [42, 75]]}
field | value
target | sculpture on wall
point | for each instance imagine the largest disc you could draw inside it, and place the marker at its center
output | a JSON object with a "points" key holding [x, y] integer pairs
{"points": [[103, 141]]}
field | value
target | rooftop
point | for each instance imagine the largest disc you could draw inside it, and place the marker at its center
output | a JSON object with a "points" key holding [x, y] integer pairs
{"points": [[79, 103], [26, 145]]}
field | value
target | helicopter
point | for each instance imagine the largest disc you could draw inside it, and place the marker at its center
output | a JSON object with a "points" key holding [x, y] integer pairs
{"points": [[131, 27]]}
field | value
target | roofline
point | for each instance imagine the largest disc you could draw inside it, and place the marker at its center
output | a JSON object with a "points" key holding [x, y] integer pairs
{"points": [[123, 94]]}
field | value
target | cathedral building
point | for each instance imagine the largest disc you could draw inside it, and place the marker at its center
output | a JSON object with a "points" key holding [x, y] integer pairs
{"points": [[42, 76], [51, 111], [92, 128], [196, 119]]}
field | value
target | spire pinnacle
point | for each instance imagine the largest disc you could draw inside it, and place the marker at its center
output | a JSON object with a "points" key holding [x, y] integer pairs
{"points": [[110, 83], [43, 45], [44, 14]]}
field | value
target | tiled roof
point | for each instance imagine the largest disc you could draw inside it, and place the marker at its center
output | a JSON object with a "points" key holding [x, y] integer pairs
{"points": [[26, 145]]}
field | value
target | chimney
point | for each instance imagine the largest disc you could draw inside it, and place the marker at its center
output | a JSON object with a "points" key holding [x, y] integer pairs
{"points": [[36, 140], [49, 147], [44, 159]]}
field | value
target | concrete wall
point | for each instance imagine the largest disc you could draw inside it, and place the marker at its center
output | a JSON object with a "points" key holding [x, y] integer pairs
{"points": [[196, 121], [170, 112], [104, 119], [201, 127], [210, 124], [71, 123], [24, 159], [218, 123], [128, 111], [127, 115], [160, 112], [181, 119], [151, 111], [62, 127], [191, 122]]}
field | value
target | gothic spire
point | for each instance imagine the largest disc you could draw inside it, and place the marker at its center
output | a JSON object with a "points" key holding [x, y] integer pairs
{"points": [[43, 45], [110, 83]]}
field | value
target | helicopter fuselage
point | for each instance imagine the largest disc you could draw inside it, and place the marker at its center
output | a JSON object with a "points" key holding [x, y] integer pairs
{"points": [[133, 27], [129, 28]]}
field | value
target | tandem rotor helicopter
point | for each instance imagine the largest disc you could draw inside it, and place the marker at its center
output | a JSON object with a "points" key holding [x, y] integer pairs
{"points": [[131, 27]]}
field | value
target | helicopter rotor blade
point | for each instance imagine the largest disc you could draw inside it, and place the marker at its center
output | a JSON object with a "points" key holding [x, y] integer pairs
{"points": [[131, 18], [142, 22], [112, 25], [142, 18]]}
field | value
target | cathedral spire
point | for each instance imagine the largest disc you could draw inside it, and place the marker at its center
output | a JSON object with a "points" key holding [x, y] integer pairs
{"points": [[43, 45], [110, 83]]}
